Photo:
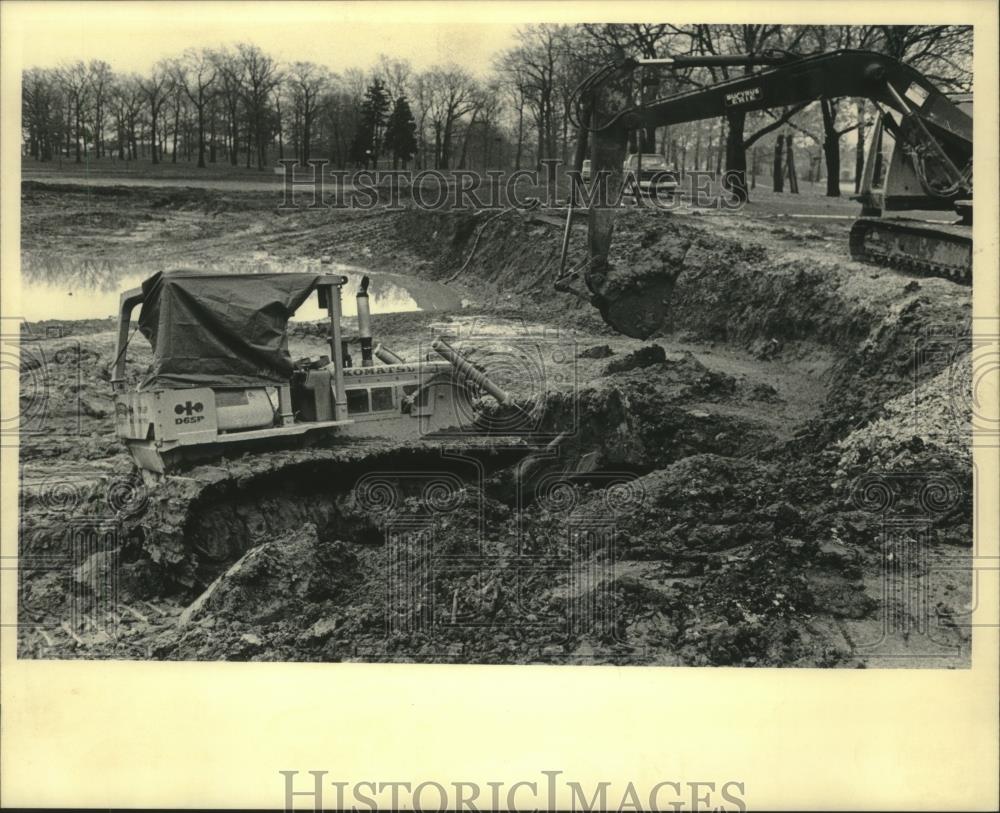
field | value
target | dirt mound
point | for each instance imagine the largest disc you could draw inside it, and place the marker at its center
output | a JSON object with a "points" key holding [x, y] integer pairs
{"points": [[914, 461], [643, 357], [685, 379], [680, 498], [725, 540], [441, 594], [57, 328], [199, 524], [648, 418], [720, 289], [277, 579], [97, 190], [933, 420]]}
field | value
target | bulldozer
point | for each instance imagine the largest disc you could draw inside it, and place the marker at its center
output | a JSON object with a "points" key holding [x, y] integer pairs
{"points": [[926, 134], [222, 381], [235, 442]]}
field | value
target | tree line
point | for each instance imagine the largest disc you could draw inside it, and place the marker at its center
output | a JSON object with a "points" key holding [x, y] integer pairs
{"points": [[241, 106]]}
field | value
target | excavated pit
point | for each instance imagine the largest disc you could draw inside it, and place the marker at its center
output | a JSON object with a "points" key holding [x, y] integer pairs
{"points": [[644, 411], [715, 495]]}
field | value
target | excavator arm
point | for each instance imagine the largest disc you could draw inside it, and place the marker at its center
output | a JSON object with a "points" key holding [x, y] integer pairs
{"points": [[934, 133]]}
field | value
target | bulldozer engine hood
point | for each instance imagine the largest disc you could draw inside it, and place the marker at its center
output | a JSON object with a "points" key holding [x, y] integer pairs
{"points": [[220, 330]]}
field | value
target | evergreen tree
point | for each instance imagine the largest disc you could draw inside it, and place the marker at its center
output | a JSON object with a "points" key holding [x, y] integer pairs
{"points": [[367, 143], [401, 133]]}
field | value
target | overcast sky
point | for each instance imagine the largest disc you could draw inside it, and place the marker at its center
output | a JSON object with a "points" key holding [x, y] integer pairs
{"points": [[131, 37]]}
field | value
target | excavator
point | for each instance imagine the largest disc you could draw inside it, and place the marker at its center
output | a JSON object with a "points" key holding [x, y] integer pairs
{"points": [[929, 168]]}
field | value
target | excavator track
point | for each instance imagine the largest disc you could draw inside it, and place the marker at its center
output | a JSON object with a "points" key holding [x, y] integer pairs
{"points": [[920, 248]]}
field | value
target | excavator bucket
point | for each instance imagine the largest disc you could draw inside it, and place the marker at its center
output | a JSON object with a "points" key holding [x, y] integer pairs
{"points": [[638, 308]]}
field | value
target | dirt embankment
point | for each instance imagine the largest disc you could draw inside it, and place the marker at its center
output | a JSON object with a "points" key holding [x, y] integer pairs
{"points": [[715, 495], [885, 330]]}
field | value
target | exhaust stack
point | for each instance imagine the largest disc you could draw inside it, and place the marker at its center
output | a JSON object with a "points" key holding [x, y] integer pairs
{"points": [[386, 356], [365, 324], [468, 370]]}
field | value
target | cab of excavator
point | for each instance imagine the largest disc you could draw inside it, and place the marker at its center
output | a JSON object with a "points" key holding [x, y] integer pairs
{"points": [[895, 179]]}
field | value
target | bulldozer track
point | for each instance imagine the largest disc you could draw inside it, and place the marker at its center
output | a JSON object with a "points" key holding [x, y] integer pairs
{"points": [[197, 523]]}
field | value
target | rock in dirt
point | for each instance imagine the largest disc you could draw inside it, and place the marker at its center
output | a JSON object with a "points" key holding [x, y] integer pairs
{"points": [[600, 351], [783, 515], [97, 569], [643, 357], [835, 553], [96, 407], [765, 349], [320, 631], [277, 579]]}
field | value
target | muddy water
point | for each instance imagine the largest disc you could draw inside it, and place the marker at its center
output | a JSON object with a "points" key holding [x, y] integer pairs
{"points": [[53, 287]]}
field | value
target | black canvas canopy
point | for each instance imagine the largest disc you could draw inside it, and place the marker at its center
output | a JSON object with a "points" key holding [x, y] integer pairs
{"points": [[220, 330]]}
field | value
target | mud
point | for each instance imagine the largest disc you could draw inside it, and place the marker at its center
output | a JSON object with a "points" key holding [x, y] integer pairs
{"points": [[716, 494]]}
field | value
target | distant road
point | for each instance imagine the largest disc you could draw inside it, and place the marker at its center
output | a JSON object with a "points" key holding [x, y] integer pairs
{"points": [[264, 184], [260, 183]]}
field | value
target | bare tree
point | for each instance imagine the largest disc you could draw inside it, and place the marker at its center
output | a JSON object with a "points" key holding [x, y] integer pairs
{"points": [[541, 52], [76, 80], [538, 53], [514, 83], [41, 112], [395, 74], [177, 101], [128, 99], [338, 115], [100, 76], [306, 82], [452, 94], [339, 112], [744, 39], [480, 103], [943, 53], [485, 120], [613, 41], [260, 76], [156, 88], [422, 95], [196, 73], [230, 88]]}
